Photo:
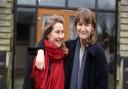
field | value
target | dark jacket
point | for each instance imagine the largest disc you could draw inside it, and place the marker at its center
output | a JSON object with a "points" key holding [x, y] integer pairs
{"points": [[32, 51], [28, 82], [95, 71]]}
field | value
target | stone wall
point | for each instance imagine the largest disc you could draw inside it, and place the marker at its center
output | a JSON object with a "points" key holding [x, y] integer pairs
{"points": [[6, 35], [123, 28], [123, 44]]}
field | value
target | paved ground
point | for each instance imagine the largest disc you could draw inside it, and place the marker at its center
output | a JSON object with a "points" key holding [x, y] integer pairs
{"points": [[18, 84], [19, 77]]}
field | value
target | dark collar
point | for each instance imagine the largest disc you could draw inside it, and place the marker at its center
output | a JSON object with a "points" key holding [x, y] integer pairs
{"points": [[92, 49]]}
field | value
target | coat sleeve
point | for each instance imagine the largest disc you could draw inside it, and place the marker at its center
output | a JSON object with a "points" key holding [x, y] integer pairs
{"points": [[28, 82], [70, 43], [32, 51], [101, 81]]}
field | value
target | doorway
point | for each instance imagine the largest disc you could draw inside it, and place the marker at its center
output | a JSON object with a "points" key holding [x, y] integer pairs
{"points": [[68, 16]]}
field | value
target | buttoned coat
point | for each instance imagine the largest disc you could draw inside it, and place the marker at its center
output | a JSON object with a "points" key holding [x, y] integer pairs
{"points": [[95, 70]]}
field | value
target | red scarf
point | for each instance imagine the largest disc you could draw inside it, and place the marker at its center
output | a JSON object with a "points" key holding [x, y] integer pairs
{"points": [[54, 79]]}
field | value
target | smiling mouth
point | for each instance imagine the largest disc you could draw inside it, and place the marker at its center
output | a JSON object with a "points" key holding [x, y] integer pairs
{"points": [[59, 41], [83, 33]]}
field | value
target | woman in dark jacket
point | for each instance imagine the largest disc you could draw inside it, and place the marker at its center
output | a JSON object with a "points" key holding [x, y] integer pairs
{"points": [[85, 66], [95, 72]]}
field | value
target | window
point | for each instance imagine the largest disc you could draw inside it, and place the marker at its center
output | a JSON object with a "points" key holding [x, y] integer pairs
{"points": [[106, 37], [26, 2], [82, 3], [56, 3], [72, 30], [106, 4]]}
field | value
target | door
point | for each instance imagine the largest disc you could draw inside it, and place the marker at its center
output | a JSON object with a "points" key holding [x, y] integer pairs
{"points": [[68, 16]]}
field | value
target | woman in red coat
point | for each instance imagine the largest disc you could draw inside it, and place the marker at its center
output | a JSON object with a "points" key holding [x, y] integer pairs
{"points": [[54, 50]]}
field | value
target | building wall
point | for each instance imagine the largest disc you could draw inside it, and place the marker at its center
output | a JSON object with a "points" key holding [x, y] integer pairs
{"points": [[123, 41], [123, 28], [6, 35]]}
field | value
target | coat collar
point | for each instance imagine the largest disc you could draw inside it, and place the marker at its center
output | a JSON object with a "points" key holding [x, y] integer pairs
{"points": [[92, 49]]}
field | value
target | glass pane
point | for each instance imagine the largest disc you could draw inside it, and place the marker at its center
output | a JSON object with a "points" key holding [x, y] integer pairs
{"points": [[72, 30], [106, 4], [28, 2], [106, 37], [57, 3], [82, 3], [25, 37], [26, 19], [44, 20]]}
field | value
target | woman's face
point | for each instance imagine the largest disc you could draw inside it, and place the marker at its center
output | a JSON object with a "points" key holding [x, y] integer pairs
{"points": [[83, 30], [56, 37]]}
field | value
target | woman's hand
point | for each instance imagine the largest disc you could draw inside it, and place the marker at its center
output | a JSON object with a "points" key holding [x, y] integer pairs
{"points": [[40, 61]]}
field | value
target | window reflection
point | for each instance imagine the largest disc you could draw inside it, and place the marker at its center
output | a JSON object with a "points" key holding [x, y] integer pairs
{"points": [[44, 20], [25, 22], [106, 30], [25, 30], [82, 3], [106, 4], [106, 37], [72, 32], [28, 2], [57, 3]]}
